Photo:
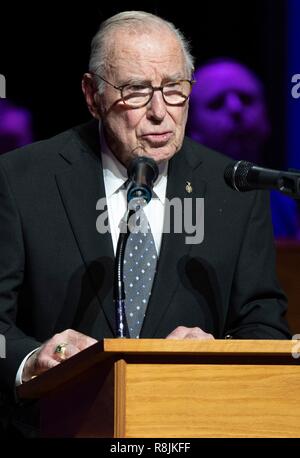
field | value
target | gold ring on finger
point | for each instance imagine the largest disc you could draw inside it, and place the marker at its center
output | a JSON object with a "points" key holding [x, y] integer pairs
{"points": [[60, 350]]}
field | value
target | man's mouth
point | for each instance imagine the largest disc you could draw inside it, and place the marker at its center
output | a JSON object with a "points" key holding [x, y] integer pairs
{"points": [[157, 139]]}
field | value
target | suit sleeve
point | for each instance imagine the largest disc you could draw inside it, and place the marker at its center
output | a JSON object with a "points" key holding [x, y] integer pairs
{"points": [[258, 305], [12, 262]]}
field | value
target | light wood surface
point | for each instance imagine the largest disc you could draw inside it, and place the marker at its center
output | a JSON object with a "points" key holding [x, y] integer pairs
{"points": [[201, 347], [212, 401], [120, 367]]}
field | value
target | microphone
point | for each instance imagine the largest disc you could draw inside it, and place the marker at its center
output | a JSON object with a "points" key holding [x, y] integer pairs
{"points": [[142, 173], [245, 176]]}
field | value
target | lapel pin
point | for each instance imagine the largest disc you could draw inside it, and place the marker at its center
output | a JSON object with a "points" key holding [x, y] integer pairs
{"points": [[188, 187]]}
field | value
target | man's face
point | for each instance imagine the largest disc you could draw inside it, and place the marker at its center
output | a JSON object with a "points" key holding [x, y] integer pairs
{"points": [[157, 129], [228, 111]]}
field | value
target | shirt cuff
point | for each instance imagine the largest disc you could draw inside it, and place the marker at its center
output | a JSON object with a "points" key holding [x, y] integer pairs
{"points": [[19, 375]]}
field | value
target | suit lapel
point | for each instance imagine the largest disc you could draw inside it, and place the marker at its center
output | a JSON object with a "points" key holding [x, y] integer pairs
{"points": [[81, 185], [182, 183]]}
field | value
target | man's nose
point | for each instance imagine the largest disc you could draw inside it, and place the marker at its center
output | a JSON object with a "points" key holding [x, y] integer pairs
{"points": [[156, 108]]}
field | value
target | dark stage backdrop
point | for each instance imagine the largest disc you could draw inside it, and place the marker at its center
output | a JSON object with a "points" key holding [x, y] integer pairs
{"points": [[44, 50]]}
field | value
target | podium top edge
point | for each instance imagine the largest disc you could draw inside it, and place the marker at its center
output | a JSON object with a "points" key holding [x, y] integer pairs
{"points": [[228, 346]]}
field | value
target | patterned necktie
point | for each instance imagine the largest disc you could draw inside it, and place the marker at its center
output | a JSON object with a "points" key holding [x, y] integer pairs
{"points": [[139, 269]]}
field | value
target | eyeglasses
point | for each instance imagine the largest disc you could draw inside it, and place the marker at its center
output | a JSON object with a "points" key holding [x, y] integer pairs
{"points": [[139, 95]]}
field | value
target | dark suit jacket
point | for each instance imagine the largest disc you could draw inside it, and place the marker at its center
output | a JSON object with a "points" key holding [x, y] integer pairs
{"points": [[56, 270]]}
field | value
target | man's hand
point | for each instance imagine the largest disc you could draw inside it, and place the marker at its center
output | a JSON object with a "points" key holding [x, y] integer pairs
{"points": [[45, 357], [189, 333]]}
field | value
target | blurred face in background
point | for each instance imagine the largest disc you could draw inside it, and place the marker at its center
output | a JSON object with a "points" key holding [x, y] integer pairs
{"points": [[228, 111]]}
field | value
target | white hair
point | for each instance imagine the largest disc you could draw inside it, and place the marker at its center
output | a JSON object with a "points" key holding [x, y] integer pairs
{"points": [[132, 21]]}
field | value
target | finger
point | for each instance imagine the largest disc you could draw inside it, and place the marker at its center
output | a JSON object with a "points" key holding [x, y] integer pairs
{"points": [[44, 363], [197, 333], [178, 333], [210, 337], [52, 363], [79, 340], [198, 336], [182, 332], [65, 351]]}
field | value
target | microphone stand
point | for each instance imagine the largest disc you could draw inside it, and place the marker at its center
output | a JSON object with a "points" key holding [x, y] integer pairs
{"points": [[119, 289], [293, 185], [289, 185]]}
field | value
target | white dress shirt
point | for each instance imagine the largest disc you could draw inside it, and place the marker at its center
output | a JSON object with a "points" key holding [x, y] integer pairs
{"points": [[115, 176]]}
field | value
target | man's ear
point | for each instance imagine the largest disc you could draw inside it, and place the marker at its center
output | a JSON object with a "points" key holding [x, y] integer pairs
{"points": [[90, 91]]}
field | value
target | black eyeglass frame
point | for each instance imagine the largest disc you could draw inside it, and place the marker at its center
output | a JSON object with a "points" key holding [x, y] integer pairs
{"points": [[153, 88]]}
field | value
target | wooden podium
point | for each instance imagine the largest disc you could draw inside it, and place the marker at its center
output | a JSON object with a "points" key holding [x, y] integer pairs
{"points": [[172, 388]]}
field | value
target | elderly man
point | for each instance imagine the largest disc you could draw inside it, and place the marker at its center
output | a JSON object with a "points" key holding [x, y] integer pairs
{"points": [[56, 269]]}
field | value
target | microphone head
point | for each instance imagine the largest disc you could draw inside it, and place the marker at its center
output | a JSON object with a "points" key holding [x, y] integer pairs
{"points": [[236, 174], [142, 172]]}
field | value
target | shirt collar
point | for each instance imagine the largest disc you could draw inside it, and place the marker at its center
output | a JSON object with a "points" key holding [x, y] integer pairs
{"points": [[115, 174]]}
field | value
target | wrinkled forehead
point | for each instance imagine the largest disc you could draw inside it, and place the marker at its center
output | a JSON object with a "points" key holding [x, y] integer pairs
{"points": [[225, 77], [152, 51]]}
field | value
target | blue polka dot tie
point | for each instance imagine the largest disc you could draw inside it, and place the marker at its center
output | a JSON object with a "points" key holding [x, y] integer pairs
{"points": [[139, 270]]}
